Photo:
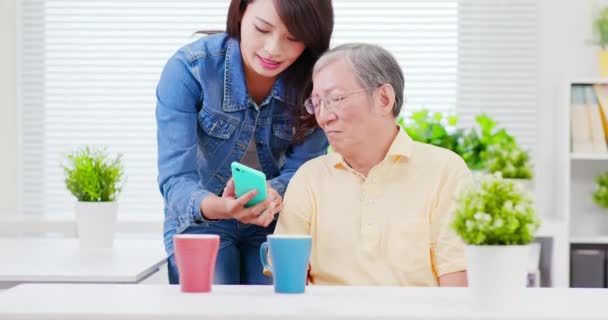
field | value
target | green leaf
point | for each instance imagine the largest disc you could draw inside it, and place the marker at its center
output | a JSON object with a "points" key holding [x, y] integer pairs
{"points": [[486, 124], [600, 195], [452, 120]]}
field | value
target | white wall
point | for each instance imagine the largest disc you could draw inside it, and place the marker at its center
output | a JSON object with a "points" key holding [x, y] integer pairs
{"points": [[8, 108], [564, 28]]}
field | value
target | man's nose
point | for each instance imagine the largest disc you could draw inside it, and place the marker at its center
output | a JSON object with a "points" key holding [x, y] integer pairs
{"points": [[323, 114]]}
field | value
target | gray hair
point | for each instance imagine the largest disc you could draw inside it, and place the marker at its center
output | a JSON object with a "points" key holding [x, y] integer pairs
{"points": [[373, 66]]}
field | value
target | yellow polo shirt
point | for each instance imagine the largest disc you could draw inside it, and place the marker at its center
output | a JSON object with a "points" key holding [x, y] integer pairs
{"points": [[391, 228]]}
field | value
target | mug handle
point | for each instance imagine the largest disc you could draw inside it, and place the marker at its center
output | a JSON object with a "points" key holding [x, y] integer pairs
{"points": [[264, 257]]}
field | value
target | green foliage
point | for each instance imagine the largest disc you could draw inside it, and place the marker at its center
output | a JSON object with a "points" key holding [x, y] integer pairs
{"points": [[600, 28], [470, 148], [495, 212], [509, 159], [482, 147], [474, 144], [495, 150], [92, 176], [600, 196], [432, 128]]}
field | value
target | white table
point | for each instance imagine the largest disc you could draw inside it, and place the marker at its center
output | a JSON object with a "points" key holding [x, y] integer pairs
{"points": [[155, 302], [25, 260]]}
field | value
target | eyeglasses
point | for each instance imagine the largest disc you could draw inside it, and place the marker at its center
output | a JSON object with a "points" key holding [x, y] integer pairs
{"points": [[332, 101]]}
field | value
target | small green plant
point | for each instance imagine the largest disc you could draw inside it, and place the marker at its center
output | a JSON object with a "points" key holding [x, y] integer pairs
{"points": [[473, 145], [600, 28], [600, 195], [510, 160], [92, 176], [495, 212], [432, 128]]}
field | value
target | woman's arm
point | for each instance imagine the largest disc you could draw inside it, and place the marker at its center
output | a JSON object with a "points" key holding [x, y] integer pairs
{"points": [[177, 96]]}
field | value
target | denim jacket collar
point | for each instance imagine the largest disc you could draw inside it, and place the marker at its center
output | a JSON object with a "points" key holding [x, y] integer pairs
{"points": [[236, 96]]}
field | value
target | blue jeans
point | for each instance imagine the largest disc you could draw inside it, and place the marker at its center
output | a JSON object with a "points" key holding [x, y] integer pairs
{"points": [[238, 259]]}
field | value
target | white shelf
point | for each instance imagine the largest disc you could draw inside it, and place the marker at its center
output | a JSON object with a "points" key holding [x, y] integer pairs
{"points": [[575, 181], [589, 239], [588, 156], [589, 81]]}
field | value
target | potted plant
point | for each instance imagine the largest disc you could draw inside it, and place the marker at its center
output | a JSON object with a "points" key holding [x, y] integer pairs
{"points": [[600, 195], [511, 161], [432, 128], [93, 178], [600, 30], [496, 220]]}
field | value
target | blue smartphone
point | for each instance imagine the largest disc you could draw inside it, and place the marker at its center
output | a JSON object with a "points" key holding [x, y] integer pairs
{"points": [[247, 179]]}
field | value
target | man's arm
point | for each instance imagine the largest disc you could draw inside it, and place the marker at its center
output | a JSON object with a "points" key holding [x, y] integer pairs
{"points": [[454, 279], [447, 246], [298, 205]]}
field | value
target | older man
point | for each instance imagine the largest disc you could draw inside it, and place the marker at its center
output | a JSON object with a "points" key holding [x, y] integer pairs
{"points": [[378, 207]]}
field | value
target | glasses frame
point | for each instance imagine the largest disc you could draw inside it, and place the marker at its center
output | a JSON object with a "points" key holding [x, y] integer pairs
{"points": [[330, 105]]}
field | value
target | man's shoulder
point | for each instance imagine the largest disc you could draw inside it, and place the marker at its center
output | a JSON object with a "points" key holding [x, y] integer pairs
{"points": [[429, 154], [311, 174], [314, 171]]}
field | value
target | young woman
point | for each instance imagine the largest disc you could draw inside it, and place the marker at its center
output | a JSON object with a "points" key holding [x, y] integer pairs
{"points": [[238, 96]]}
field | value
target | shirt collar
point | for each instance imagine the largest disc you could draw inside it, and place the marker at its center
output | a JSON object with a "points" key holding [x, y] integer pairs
{"points": [[402, 146]]}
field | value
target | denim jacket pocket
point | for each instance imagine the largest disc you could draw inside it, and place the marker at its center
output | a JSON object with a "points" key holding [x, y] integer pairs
{"points": [[217, 128], [283, 134]]}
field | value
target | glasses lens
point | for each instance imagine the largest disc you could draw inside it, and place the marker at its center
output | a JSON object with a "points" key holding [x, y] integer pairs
{"points": [[310, 105]]}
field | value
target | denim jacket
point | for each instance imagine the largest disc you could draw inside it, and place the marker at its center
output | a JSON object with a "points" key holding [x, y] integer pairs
{"points": [[206, 119]]}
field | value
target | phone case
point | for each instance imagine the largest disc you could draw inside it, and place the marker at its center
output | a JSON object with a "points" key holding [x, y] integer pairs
{"points": [[247, 179]]}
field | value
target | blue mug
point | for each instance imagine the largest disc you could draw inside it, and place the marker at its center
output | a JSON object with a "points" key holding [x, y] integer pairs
{"points": [[289, 255]]}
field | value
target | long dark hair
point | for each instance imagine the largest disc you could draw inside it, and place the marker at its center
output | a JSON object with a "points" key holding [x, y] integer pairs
{"points": [[312, 23]]}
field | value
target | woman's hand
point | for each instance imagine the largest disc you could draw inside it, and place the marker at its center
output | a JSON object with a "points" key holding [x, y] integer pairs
{"points": [[228, 206], [261, 214]]}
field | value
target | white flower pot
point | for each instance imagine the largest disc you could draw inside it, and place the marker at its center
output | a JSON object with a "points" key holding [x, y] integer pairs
{"points": [[497, 276], [95, 223]]}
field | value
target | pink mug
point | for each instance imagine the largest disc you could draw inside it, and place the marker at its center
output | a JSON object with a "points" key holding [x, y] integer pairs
{"points": [[195, 256]]}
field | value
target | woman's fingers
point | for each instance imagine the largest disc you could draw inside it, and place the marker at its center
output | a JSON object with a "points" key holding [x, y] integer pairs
{"points": [[263, 213], [242, 200], [229, 189]]}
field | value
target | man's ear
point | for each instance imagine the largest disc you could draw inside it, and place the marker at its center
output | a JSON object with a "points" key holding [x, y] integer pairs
{"points": [[386, 98]]}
